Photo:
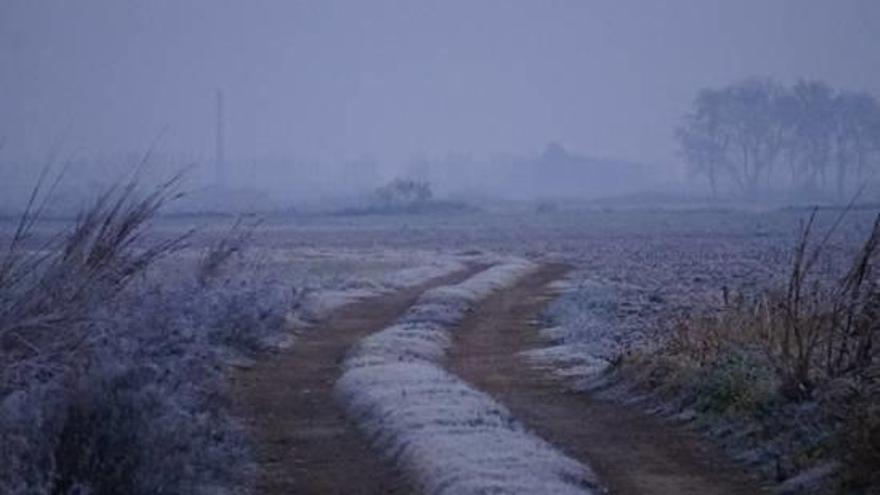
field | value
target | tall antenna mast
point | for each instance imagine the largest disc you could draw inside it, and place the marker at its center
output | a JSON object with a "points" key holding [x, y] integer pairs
{"points": [[219, 143]]}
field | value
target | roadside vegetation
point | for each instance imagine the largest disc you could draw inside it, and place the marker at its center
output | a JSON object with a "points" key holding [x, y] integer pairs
{"points": [[112, 352], [788, 378]]}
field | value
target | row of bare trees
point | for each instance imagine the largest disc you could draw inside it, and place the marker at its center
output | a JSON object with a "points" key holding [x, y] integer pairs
{"points": [[758, 134]]}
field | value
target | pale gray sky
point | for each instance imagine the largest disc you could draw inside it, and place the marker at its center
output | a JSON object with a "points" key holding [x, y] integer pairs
{"points": [[333, 80]]}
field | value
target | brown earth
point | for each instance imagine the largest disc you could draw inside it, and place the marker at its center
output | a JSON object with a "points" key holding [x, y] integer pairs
{"points": [[303, 441], [631, 452]]}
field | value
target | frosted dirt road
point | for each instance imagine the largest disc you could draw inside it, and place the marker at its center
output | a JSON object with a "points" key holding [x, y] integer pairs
{"points": [[306, 444], [303, 441], [630, 452]]}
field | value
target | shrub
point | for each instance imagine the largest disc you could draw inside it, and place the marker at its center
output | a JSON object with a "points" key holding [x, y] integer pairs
{"points": [[47, 293], [111, 382]]}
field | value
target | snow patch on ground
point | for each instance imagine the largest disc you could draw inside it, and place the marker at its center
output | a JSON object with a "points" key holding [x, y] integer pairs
{"points": [[446, 435], [581, 329], [570, 361], [315, 304]]}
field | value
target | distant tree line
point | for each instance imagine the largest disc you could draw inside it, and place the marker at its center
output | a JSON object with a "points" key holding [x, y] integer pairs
{"points": [[758, 134]]}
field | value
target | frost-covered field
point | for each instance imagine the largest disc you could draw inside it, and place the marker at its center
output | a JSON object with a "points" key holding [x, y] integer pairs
{"points": [[626, 285], [630, 268], [165, 342]]}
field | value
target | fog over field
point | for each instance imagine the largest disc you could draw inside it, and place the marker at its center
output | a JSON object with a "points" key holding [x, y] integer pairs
{"points": [[329, 99], [440, 247]]}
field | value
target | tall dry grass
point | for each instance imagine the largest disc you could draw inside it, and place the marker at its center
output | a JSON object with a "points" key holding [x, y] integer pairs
{"points": [[764, 358], [48, 288], [220, 252], [110, 381]]}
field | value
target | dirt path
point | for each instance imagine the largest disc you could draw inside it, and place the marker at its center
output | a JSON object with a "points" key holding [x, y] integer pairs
{"points": [[632, 453], [304, 443]]}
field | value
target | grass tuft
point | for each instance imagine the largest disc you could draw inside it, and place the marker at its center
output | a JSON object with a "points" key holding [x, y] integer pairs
{"points": [[109, 382], [797, 366]]}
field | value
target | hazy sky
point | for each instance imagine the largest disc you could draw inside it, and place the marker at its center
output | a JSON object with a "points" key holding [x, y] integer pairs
{"points": [[396, 79]]}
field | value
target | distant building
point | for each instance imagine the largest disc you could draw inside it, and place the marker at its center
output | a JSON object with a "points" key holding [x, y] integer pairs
{"points": [[559, 173]]}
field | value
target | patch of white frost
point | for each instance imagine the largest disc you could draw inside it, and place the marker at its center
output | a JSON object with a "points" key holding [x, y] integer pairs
{"points": [[315, 304], [584, 336], [446, 435], [574, 361], [410, 277]]}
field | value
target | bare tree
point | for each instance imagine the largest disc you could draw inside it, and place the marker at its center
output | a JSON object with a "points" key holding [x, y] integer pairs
{"points": [[703, 143], [740, 133], [757, 129], [856, 137], [812, 124], [739, 129]]}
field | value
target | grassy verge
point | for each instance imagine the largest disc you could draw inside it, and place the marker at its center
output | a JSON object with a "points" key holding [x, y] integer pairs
{"points": [[111, 355], [788, 379]]}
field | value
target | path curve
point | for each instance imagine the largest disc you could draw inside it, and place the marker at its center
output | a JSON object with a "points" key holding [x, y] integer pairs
{"points": [[303, 441], [632, 453]]}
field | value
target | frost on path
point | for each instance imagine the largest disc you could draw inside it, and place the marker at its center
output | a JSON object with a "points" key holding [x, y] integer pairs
{"points": [[584, 338], [319, 303], [445, 435]]}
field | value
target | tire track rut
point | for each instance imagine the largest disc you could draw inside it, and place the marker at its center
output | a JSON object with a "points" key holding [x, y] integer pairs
{"points": [[303, 441], [631, 452]]}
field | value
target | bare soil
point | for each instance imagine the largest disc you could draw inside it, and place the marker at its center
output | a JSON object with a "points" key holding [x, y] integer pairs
{"points": [[630, 451], [303, 441]]}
